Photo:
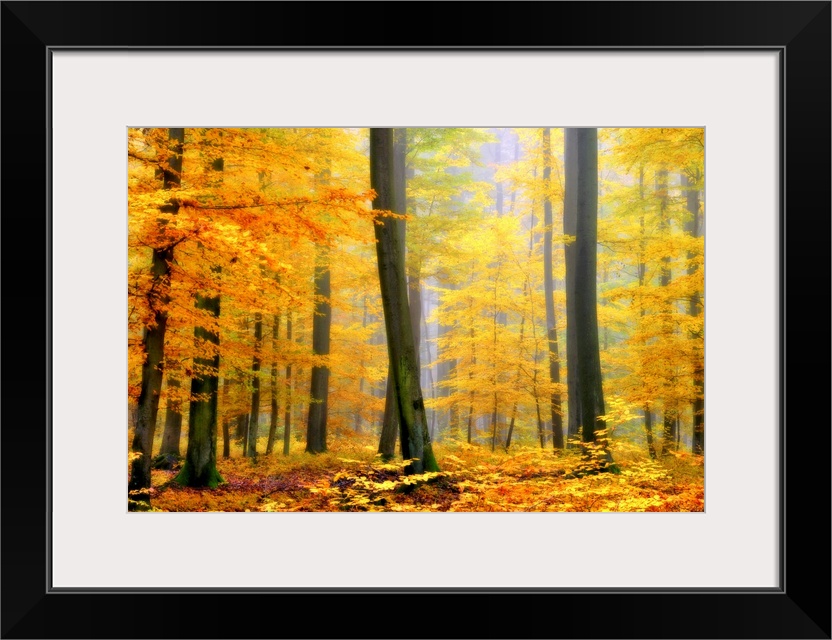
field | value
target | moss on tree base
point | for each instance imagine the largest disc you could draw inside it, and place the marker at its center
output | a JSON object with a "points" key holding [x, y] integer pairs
{"points": [[210, 478]]}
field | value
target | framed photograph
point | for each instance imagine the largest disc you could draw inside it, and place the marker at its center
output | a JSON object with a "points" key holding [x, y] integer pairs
{"points": [[754, 76]]}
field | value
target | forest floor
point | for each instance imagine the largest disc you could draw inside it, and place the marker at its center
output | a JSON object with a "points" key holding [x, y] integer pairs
{"points": [[472, 478]]}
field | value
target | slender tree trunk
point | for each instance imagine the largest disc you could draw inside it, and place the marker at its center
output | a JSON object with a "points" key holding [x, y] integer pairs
{"points": [[541, 428], [694, 309], [275, 394], [241, 431], [648, 429], [321, 323], [200, 469], [471, 378], [401, 348], [226, 423], [642, 274], [494, 418], [519, 372], [287, 418], [254, 415], [154, 343], [446, 374], [551, 324], [498, 184], [669, 436], [511, 425], [582, 155], [414, 291], [431, 384], [173, 420], [361, 371]]}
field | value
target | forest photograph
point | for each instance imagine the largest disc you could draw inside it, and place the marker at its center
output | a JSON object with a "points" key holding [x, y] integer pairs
{"points": [[415, 319]]}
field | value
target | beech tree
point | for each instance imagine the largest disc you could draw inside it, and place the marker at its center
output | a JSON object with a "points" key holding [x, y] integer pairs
{"points": [[402, 351], [581, 217], [321, 323], [154, 335], [551, 328]]}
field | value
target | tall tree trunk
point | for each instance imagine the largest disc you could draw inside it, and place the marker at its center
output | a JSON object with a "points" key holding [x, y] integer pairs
{"points": [[642, 274], [570, 221], [548, 285], [391, 427], [173, 419], [275, 394], [358, 416], [494, 418], [471, 376], [321, 323], [154, 342], [694, 309], [254, 415], [445, 374], [226, 423], [668, 431], [541, 428], [582, 159], [401, 348], [429, 369], [414, 294], [200, 469], [519, 370], [287, 418]]}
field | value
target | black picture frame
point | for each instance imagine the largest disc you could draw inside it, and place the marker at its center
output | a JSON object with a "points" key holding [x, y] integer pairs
{"points": [[800, 608]]}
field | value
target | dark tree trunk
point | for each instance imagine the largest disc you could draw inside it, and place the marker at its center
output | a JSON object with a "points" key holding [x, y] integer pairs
{"points": [[390, 424], [287, 418], [548, 285], [274, 415], [694, 309], [200, 469], [173, 419], [319, 387], [241, 431], [254, 415], [582, 158], [401, 348], [226, 423], [570, 222], [391, 427], [648, 429], [154, 343]]}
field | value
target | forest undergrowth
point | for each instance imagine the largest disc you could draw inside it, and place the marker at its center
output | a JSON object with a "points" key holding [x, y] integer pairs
{"points": [[352, 477]]}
